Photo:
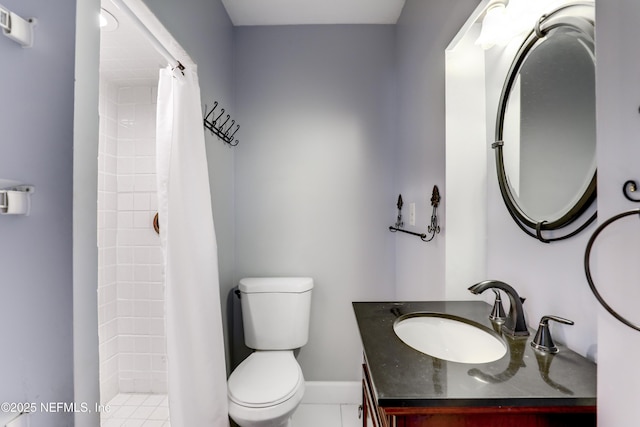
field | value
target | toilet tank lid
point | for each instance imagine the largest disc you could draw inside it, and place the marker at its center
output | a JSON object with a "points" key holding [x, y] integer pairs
{"points": [[254, 285]]}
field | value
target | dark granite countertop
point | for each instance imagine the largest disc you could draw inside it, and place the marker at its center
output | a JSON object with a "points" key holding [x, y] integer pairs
{"points": [[404, 377]]}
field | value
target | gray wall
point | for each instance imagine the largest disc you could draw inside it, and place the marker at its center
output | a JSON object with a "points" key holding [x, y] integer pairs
{"points": [[314, 173], [424, 30], [616, 251], [36, 121]]}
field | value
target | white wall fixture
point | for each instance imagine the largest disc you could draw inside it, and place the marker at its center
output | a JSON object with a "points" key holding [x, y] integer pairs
{"points": [[493, 23], [15, 198], [18, 29], [502, 20]]}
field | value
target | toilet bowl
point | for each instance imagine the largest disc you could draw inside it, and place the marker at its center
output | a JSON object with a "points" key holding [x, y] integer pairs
{"points": [[267, 387]]}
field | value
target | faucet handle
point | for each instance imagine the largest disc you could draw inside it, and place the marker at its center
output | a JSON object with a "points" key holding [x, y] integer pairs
{"points": [[543, 340], [497, 313]]}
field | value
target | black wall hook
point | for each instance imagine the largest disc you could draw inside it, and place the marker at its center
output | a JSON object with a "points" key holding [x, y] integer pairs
{"points": [[218, 126], [630, 187]]}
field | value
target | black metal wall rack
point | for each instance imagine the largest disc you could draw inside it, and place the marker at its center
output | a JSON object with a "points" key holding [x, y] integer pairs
{"points": [[216, 122]]}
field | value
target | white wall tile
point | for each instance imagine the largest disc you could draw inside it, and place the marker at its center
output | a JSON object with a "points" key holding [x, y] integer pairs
{"points": [[143, 346], [126, 166], [145, 165], [142, 95], [126, 116], [125, 201], [126, 95], [130, 256], [141, 291], [146, 147], [156, 292], [125, 272], [158, 345], [141, 220], [126, 344], [141, 201], [125, 290], [141, 273], [145, 182], [125, 219], [125, 308], [126, 147]]}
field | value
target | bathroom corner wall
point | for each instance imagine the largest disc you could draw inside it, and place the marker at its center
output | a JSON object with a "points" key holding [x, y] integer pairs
{"points": [[424, 30], [314, 182], [616, 251]]}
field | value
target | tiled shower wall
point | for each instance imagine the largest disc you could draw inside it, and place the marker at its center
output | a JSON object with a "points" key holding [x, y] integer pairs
{"points": [[107, 249], [130, 299]]}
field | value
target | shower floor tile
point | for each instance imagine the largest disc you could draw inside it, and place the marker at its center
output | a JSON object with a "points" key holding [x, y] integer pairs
{"points": [[137, 410]]}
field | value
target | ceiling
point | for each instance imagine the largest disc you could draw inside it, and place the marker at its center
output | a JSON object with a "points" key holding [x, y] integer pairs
{"points": [[294, 12], [127, 58]]}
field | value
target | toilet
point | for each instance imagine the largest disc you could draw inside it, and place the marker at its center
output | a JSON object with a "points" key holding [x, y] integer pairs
{"points": [[267, 387]]}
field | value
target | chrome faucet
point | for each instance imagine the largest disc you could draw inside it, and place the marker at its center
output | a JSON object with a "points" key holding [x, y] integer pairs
{"points": [[515, 323]]}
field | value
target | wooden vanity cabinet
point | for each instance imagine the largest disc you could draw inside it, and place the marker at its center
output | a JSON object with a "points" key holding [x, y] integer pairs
{"points": [[374, 415]]}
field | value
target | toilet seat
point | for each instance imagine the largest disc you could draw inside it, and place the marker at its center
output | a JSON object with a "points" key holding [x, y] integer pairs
{"points": [[265, 378]]}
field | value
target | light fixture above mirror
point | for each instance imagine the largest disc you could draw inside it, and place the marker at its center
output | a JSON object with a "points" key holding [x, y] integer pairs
{"points": [[493, 24], [502, 20]]}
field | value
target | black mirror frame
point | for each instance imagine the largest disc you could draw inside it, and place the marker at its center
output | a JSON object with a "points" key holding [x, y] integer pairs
{"points": [[530, 226]]}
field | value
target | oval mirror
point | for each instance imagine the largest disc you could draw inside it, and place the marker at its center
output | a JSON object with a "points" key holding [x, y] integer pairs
{"points": [[545, 131]]}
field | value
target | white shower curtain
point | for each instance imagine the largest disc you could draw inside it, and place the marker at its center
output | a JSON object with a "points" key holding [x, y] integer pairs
{"points": [[195, 349]]}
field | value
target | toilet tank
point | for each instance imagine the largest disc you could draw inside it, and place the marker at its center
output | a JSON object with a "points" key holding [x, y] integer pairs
{"points": [[275, 311]]}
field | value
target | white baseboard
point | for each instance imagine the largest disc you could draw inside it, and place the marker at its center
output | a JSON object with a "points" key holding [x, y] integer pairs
{"points": [[333, 392]]}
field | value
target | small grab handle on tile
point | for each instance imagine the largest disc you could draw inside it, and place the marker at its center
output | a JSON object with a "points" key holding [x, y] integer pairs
{"points": [[156, 223]]}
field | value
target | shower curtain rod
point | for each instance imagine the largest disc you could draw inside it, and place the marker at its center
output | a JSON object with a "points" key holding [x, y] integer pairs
{"points": [[147, 33]]}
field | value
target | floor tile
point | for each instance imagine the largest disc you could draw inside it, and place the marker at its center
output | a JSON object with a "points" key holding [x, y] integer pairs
{"points": [[154, 400], [124, 412], [350, 415], [152, 410], [136, 399], [142, 412], [159, 413], [311, 415]]}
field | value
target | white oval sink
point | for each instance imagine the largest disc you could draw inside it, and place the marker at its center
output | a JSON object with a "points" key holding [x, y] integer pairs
{"points": [[449, 337]]}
